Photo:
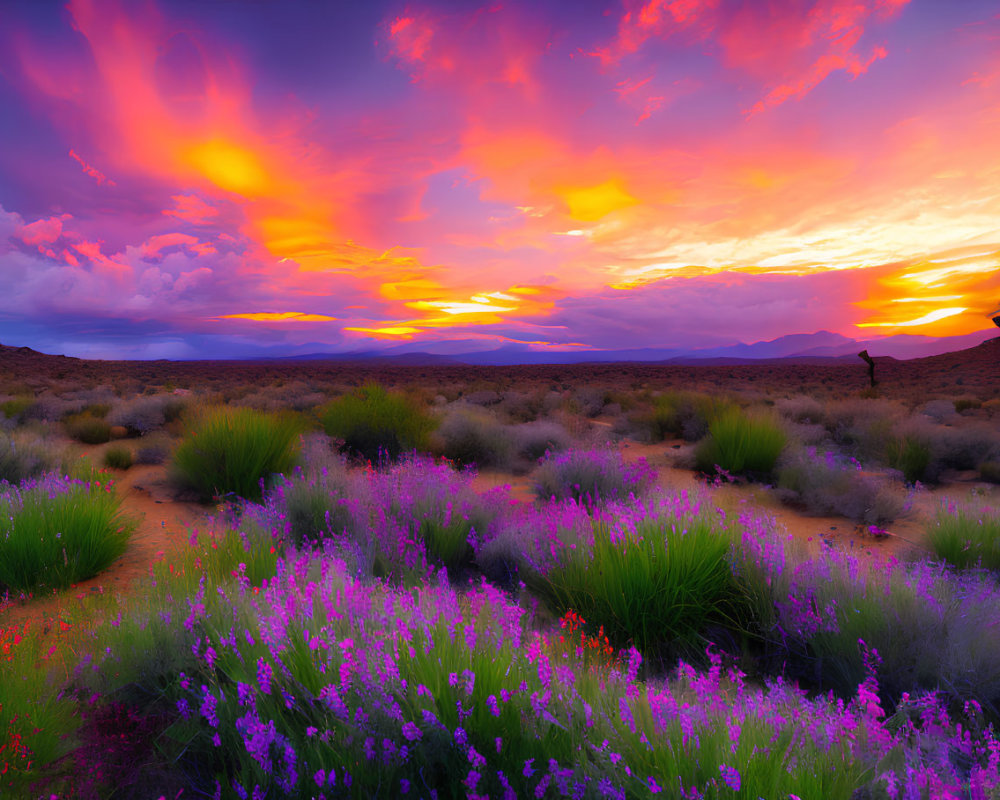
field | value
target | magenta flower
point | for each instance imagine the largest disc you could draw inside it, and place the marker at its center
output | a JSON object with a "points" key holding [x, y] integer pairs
{"points": [[730, 776]]}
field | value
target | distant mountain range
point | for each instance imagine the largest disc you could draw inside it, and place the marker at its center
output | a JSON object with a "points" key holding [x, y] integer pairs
{"points": [[822, 346]]}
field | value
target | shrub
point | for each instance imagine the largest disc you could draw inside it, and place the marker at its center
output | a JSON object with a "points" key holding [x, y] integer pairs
{"points": [[118, 458], [88, 429], [320, 506], [829, 485], [22, 458], [967, 404], [741, 444], [438, 507], [57, 532], [591, 476], [687, 415], [863, 427], [143, 415], [373, 423], [802, 409], [533, 440], [15, 408], [911, 456], [474, 437], [655, 582], [964, 537], [231, 451], [990, 471], [932, 629]]}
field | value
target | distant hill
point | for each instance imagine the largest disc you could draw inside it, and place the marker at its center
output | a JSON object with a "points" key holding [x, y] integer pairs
{"points": [[822, 347]]}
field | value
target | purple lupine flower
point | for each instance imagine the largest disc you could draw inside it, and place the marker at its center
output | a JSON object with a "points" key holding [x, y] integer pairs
{"points": [[411, 732], [491, 702], [730, 776], [264, 675], [528, 770], [209, 702]]}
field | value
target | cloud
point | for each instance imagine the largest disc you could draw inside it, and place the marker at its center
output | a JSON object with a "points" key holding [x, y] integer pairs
{"points": [[43, 231], [788, 46], [93, 172], [191, 208]]}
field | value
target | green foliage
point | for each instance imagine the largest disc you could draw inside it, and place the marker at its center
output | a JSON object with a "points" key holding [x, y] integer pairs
{"points": [[231, 450], [967, 538], [373, 423], [36, 723], [315, 508], [53, 539], [474, 437], [686, 415], [741, 444], [99, 410], [88, 429], [22, 458], [118, 457], [657, 588], [911, 455], [15, 407]]}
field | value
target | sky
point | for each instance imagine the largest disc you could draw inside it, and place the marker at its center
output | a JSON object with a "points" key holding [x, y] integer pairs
{"points": [[193, 179]]}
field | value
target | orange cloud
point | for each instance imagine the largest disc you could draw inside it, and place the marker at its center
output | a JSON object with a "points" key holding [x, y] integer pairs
{"points": [[280, 316]]}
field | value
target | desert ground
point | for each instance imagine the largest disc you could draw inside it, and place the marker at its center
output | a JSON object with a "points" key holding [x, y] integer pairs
{"points": [[861, 479]]}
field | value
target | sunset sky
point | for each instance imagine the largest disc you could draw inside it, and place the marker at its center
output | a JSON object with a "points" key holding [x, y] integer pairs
{"points": [[206, 179]]}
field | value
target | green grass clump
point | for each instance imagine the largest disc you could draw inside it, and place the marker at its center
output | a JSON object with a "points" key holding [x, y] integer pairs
{"points": [[741, 444], [22, 458], [374, 424], [966, 538], [231, 450], [15, 407], [657, 588], [910, 455], [88, 429], [53, 537], [118, 457], [686, 415]]}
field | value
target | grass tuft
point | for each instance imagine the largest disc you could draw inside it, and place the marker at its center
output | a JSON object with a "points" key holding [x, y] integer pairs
{"points": [[656, 585], [55, 532], [118, 457], [966, 538], [741, 444], [88, 429], [231, 450], [374, 424]]}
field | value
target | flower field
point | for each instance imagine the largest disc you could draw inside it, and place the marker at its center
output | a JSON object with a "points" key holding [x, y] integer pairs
{"points": [[392, 632]]}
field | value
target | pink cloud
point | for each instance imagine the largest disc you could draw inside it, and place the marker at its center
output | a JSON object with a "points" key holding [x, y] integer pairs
{"points": [[191, 208], [789, 46], [93, 172], [43, 231], [155, 244]]}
